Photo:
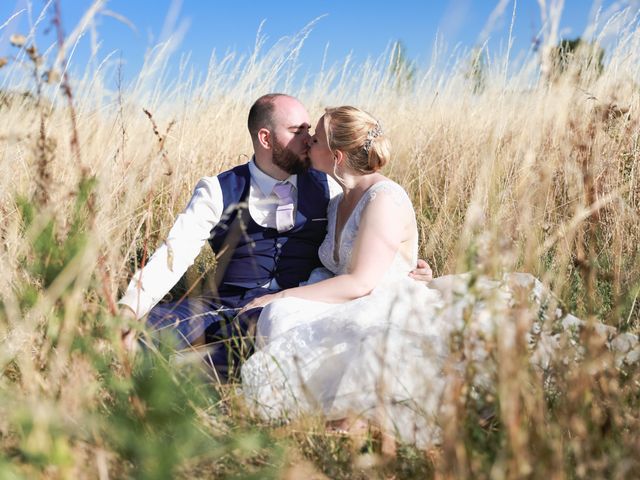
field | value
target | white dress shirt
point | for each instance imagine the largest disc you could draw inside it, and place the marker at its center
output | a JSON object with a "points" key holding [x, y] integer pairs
{"points": [[191, 231]]}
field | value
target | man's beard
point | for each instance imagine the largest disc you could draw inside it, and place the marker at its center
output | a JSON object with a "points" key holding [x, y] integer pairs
{"points": [[287, 160]]}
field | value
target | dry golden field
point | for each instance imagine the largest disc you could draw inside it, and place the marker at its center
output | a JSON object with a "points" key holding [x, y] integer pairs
{"points": [[511, 167]]}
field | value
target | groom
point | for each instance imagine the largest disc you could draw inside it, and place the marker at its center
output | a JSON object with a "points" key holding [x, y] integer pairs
{"points": [[264, 221]]}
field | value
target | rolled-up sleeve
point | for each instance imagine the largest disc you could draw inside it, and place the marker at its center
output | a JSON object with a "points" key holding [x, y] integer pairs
{"points": [[188, 234]]}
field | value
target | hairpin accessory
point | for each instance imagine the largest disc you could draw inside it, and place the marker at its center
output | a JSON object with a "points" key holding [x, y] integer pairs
{"points": [[371, 134]]}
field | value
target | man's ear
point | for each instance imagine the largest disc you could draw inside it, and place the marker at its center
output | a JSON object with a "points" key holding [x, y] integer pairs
{"points": [[264, 137]]}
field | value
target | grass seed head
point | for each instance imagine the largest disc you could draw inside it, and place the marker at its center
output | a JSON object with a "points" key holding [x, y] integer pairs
{"points": [[18, 40], [51, 76]]}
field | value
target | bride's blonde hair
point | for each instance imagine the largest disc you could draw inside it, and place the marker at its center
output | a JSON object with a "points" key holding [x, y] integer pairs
{"points": [[359, 136]]}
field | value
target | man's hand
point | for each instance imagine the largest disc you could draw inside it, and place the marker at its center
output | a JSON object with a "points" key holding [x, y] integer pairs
{"points": [[422, 272], [127, 335]]}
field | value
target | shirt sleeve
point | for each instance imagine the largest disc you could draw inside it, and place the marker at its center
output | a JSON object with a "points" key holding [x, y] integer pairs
{"points": [[189, 233]]}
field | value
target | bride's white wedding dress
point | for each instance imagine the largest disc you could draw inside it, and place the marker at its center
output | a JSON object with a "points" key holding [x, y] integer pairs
{"points": [[382, 357]]}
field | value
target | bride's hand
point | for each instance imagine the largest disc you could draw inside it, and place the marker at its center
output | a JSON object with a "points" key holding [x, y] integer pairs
{"points": [[261, 301]]}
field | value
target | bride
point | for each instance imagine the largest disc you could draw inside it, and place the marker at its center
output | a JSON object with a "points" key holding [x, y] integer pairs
{"points": [[361, 339]]}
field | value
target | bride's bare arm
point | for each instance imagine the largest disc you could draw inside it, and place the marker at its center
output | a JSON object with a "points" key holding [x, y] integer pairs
{"points": [[382, 229]]}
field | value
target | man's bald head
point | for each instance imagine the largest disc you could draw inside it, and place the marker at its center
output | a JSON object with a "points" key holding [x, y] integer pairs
{"points": [[263, 111]]}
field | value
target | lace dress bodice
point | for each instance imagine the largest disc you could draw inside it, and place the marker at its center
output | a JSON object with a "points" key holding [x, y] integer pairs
{"points": [[337, 260]]}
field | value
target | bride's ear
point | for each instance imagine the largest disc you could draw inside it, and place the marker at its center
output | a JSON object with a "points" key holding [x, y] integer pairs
{"points": [[338, 156]]}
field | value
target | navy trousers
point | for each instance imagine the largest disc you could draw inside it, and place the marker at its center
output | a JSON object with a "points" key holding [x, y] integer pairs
{"points": [[228, 334]]}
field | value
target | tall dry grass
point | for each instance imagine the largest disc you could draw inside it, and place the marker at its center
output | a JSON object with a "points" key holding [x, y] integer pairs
{"points": [[527, 173]]}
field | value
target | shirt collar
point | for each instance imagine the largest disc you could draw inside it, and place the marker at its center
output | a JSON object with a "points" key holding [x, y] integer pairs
{"points": [[265, 182]]}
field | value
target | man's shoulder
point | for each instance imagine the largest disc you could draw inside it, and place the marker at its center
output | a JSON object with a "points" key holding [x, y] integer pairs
{"points": [[208, 180], [209, 183], [239, 171], [208, 189]]}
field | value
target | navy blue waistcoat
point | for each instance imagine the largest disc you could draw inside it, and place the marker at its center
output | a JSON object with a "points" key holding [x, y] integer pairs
{"points": [[252, 255]]}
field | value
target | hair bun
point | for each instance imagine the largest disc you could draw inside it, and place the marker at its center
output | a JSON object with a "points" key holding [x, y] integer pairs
{"points": [[378, 152]]}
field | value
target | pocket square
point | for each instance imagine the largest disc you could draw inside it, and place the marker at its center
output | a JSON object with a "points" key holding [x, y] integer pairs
{"points": [[323, 219]]}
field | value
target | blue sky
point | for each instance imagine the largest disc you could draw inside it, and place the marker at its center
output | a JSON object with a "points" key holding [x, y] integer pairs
{"points": [[360, 28]]}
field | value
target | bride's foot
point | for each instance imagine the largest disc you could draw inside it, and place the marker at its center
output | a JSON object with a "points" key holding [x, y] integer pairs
{"points": [[388, 445], [359, 431], [355, 430], [348, 426]]}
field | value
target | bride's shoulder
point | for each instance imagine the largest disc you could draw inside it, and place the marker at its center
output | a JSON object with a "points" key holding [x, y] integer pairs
{"points": [[387, 202], [388, 189]]}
